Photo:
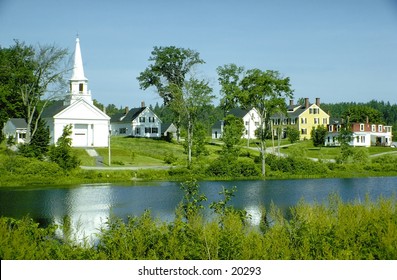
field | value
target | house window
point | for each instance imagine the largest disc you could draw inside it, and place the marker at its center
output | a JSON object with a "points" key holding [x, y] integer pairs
{"points": [[303, 131], [22, 135], [316, 121], [256, 123], [310, 111], [292, 121], [380, 128], [246, 123], [373, 128], [325, 120], [151, 119], [141, 119], [362, 139], [123, 130], [330, 128], [361, 127], [155, 130], [304, 120], [81, 87], [138, 131]]}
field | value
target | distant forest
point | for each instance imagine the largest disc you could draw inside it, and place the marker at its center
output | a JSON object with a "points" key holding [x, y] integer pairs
{"points": [[387, 111]]}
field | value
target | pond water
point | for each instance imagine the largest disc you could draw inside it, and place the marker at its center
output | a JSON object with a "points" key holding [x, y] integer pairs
{"points": [[89, 206]]}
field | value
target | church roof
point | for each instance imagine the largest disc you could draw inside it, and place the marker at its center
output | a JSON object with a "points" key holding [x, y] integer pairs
{"points": [[53, 109]]}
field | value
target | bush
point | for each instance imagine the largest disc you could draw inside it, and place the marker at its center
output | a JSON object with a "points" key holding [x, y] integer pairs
{"points": [[242, 167], [296, 165]]}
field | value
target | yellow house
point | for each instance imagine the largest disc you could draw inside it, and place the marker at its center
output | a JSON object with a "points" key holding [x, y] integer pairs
{"points": [[303, 117]]}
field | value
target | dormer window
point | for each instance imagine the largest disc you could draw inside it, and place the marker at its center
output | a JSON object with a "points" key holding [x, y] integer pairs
{"points": [[81, 87], [361, 127]]}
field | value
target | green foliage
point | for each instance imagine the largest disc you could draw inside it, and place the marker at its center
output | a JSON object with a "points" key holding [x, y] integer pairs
{"points": [[242, 167], [170, 158], [192, 199], [318, 135], [62, 153], [296, 165], [229, 79], [231, 137], [360, 113], [293, 134], [38, 145]]}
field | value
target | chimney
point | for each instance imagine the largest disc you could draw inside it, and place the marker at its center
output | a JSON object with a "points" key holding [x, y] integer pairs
{"points": [[104, 109], [306, 103], [126, 110], [143, 104], [291, 102], [367, 119], [318, 101]]}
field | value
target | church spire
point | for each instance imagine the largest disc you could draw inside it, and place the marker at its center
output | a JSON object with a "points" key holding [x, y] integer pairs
{"points": [[78, 82], [78, 70]]}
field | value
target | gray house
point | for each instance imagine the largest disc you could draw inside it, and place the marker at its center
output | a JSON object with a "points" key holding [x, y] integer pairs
{"points": [[15, 128]]}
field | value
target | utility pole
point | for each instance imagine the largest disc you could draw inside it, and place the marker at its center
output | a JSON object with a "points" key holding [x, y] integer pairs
{"points": [[110, 131]]}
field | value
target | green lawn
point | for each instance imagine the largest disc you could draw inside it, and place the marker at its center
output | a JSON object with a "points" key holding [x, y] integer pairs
{"points": [[306, 149], [144, 152]]}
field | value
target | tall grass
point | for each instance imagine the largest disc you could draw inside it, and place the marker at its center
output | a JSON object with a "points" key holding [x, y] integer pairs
{"points": [[332, 230]]}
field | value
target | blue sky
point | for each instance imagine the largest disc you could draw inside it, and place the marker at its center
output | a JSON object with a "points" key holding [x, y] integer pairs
{"points": [[338, 50]]}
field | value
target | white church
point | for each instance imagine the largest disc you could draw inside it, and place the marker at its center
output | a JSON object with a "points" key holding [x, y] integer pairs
{"points": [[90, 126]]}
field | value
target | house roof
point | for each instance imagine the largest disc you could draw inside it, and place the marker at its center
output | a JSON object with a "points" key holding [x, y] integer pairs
{"points": [[217, 125], [18, 122], [129, 117], [238, 112], [166, 126]]}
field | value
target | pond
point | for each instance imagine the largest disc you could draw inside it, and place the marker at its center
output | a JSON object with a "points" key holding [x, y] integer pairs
{"points": [[89, 206]]}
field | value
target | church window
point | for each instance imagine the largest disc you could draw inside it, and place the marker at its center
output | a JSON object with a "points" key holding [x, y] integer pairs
{"points": [[81, 87]]}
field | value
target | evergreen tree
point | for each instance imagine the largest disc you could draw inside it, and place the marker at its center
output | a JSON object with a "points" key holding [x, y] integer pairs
{"points": [[62, 153]]}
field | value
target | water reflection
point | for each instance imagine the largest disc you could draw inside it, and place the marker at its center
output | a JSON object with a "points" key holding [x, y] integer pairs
{"points": [[90, 206]]}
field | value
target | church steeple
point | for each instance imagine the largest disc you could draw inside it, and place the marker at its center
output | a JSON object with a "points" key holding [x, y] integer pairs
{"points": [[78, 81], [78, 70]]}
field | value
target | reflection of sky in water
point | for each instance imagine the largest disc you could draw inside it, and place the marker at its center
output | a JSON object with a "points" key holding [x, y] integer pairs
{"points": [[90, 206]]}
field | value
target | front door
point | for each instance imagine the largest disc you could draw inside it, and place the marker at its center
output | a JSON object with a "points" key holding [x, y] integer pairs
{"points": [[80, 135]]}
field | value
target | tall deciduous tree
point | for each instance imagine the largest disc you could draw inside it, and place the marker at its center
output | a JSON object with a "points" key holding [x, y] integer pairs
{"points": [[266, 91], [168, 73], [189, 102], [48, 79], [229, 77]]}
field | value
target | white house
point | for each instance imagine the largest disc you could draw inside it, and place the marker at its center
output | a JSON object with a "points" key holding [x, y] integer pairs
{"points": [[15, 128], [250, 119], [364, 134], [137, 122], [90, 126]]}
